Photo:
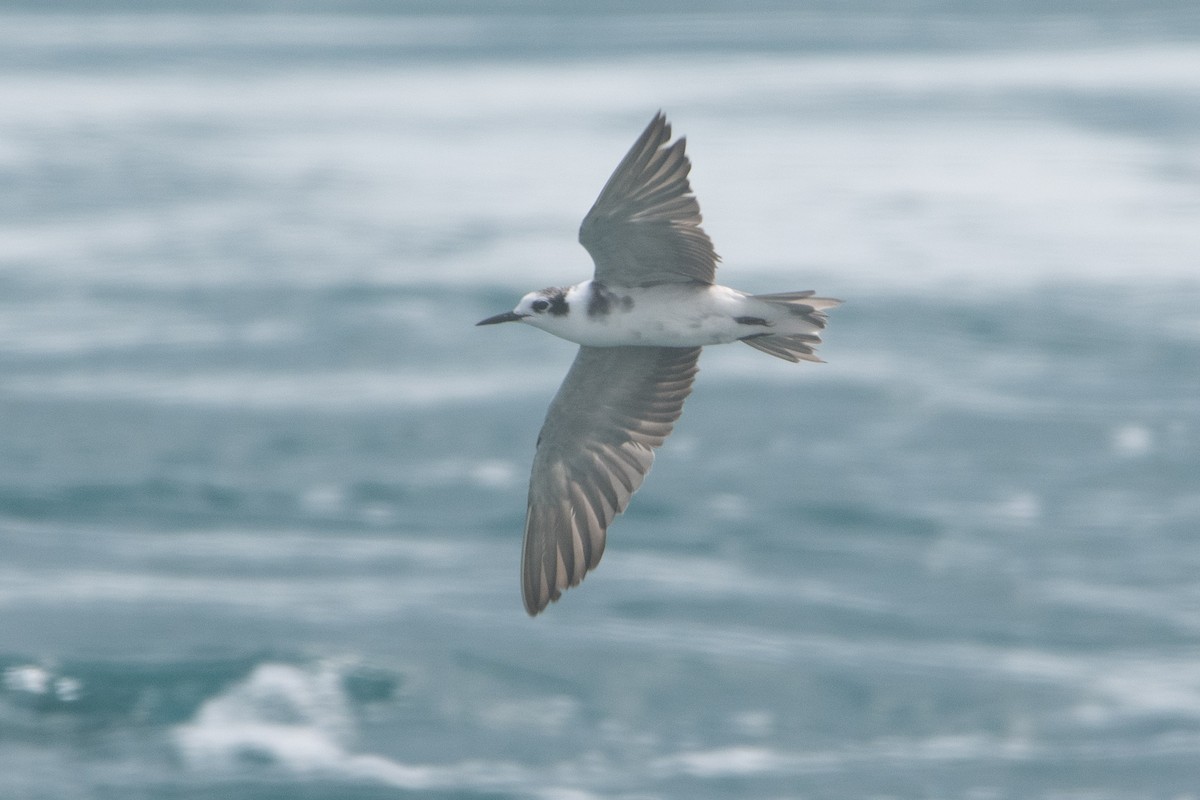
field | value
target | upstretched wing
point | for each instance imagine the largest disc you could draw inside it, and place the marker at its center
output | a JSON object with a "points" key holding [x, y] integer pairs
{"points": [[615, 406], [645, 226]]}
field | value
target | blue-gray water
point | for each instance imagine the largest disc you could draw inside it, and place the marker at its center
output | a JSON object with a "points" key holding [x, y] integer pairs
{"points": [[262, 481]]}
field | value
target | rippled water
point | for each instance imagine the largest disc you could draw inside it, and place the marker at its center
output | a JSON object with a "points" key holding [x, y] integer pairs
{"points": [[262, 481]]}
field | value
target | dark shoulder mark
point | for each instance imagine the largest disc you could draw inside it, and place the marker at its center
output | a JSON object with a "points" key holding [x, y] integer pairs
{"points": [[600, 302]]}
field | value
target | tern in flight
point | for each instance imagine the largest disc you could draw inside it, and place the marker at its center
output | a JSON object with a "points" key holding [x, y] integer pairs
{"points": [[640, 323]]}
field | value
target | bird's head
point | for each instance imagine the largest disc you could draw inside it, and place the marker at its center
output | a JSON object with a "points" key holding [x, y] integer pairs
{"points": [[538, 308]]}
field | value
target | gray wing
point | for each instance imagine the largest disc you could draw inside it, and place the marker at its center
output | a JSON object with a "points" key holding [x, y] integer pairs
{"points": [[645, 225], [615, 406]]}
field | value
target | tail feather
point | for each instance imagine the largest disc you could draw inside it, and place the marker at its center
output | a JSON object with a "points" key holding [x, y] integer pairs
{"points": [[799, 298], [794, 346]]}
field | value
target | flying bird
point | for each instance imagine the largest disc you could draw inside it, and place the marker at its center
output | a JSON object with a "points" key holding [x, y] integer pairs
{"points": [[640, 323]]}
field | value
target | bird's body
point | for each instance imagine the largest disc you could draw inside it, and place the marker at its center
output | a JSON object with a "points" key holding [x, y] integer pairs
{"points": [[663, 315], [640, 323]]}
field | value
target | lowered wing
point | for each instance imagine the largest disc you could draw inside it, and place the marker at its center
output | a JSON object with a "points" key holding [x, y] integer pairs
{"points": [[615, 406]]}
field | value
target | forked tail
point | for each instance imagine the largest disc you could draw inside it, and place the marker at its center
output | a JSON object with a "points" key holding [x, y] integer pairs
{"points": [[799, 328]]}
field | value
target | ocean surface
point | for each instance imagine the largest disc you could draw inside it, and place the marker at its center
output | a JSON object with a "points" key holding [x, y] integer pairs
{"points": [[262, 481]]}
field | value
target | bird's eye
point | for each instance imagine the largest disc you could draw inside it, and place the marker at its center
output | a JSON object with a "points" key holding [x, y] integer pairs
{"points": [[540, 305]]}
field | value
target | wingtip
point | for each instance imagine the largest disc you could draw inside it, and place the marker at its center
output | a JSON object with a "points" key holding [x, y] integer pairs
{"points": [[532, 606], [536, 605], [663, 127]]}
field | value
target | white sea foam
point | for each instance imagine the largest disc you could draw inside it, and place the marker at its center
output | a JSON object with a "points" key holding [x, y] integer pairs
{"points": [[27, 678], [293, 718], [299, 719], [338, 590], [1133, 440], [33, 679], [728, 762], [457, 471], [744, 761], [83, 327], [182, 30], [252, 389]]}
